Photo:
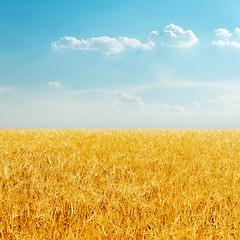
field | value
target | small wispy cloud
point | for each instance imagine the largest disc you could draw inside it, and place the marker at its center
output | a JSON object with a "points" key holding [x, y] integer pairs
{"points": [[195, 105], [121, 99], [104, 44], [126, 97], [174, 36], [226, 99], [5, 89], [222, 86], [54, 84], [91, 90], [228, 105], [227, 39]]}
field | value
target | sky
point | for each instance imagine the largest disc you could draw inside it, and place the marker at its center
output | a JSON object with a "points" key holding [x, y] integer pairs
{"points": [[120, 64]]}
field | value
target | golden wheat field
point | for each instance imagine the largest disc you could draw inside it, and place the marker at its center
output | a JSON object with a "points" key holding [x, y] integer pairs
{"points": [[120, 184]]}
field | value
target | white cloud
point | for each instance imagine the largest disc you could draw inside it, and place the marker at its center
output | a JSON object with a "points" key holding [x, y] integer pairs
{"points": [[124, 100], [237, 30], [154, 33], [226, 99], [222, 86], [91, 90], [70, 42], [126, 97], [229, 105], [174, 36], [165, 106], [195, 104], [65, 112], [114, 108], [54, 84], [221, 32], [134, 43], [4, 89], [228, 39], [151, 106], [104, 44], [118, 100], [226, 42]]}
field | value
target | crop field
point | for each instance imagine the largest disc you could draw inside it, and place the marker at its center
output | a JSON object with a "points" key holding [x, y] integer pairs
{"points": [[119, 184]]}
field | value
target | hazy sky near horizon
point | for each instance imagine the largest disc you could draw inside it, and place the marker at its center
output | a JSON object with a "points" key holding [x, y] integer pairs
{"points": [[120, 64]]}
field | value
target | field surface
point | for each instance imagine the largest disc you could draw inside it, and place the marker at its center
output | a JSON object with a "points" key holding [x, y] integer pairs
{"points": [[119, 184]]}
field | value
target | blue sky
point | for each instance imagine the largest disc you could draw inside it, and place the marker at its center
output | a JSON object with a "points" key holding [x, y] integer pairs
{"points": [[119, 64]]}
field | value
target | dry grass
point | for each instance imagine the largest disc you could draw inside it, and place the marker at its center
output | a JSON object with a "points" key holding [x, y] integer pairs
{"points": [[119, 184]]}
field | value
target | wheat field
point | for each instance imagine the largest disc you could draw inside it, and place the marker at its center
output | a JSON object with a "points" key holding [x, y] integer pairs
{"points": [[119, 184]]}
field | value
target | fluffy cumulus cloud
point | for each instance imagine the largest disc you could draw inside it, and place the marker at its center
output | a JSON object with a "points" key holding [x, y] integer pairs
{"points": [[226, 38], [221, 32], [104, 44], [54, 84], [4, 89], [174, 36]]}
